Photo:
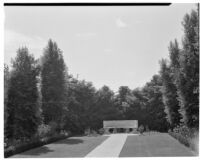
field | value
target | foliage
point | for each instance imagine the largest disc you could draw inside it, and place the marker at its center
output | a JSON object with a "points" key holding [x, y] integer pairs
{"points": [[81, 96], [44, 130], [101, 131], [122, 102], [53, 85], [23, 114], [169, 93], [6, 87], [188, 137], [181, 77], [20, 147], [153, 107], [187, 81], [171, 97], [104, 108], [141, 129]]}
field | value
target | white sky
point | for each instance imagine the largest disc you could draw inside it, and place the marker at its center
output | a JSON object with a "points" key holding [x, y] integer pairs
{"points": [[111, 46]]}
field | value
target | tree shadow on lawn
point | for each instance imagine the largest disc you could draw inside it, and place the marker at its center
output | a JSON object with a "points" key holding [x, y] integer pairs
{"points": [[37, 151], [70, 141], [44, 149]]}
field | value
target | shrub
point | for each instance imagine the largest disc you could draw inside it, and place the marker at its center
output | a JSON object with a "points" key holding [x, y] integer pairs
{"points": [[181, 138], [147, 128], [87, 131], [44, 130], [54, 128], [184, 131], [141, 129], [101, 131], [188, 137]]}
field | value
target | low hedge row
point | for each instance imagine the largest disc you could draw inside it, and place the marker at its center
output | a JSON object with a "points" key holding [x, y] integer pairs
{"points": [[12, 150], [189, 142], [180, 138]]}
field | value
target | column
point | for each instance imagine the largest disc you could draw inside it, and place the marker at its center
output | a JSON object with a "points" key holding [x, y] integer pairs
{"points": [[114, 130], [106, 130], [127, 130]]}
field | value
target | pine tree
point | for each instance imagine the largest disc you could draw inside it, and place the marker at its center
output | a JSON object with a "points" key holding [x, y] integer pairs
{"points": [[22, 109], [53, 85]]}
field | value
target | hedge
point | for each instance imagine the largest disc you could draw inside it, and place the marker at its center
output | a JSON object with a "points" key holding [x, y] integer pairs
{"points": [[189, 142], [12, 150]]}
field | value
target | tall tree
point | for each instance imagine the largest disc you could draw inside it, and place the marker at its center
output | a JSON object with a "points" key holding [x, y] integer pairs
{"points": [[135, 110], [155, 116], [169, 93], [122, 101], [6, 86], [104, 108], [53, 85], [188, 78], [22, 109], [81, 97]]}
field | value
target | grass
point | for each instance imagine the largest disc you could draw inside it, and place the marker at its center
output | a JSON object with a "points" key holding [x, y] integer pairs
{"points": [[71, 147], [153, 145]]}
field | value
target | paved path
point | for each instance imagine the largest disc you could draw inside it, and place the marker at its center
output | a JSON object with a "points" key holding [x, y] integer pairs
{"points": [[110, 147]]}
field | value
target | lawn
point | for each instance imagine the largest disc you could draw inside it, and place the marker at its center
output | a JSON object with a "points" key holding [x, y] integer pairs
{"points": [[71, 147], [153, 145]]}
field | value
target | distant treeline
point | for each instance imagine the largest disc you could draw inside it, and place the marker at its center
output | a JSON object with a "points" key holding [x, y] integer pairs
{"points": [[40, 96]]}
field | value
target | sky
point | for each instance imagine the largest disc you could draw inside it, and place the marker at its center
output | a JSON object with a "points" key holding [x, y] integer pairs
{"points": [[112, 45]]}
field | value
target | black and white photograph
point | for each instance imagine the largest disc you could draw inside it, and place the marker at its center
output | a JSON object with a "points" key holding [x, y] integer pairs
{"points": [[100, 80]]}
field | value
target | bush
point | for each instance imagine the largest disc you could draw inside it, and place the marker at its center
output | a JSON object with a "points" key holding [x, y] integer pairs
{"points": [[44, 130], [147, 128], [87, 131], [180, 138], [141, 129], [45, 134], [101, 131], [54, 128], [186, 136], [48, 130]]}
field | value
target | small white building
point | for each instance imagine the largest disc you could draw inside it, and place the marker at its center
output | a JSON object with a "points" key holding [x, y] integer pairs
{"points": [[114, 126]]}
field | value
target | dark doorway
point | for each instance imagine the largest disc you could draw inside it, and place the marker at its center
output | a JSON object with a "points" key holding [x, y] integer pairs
{"points": [[121, 130], [111, 130]]}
